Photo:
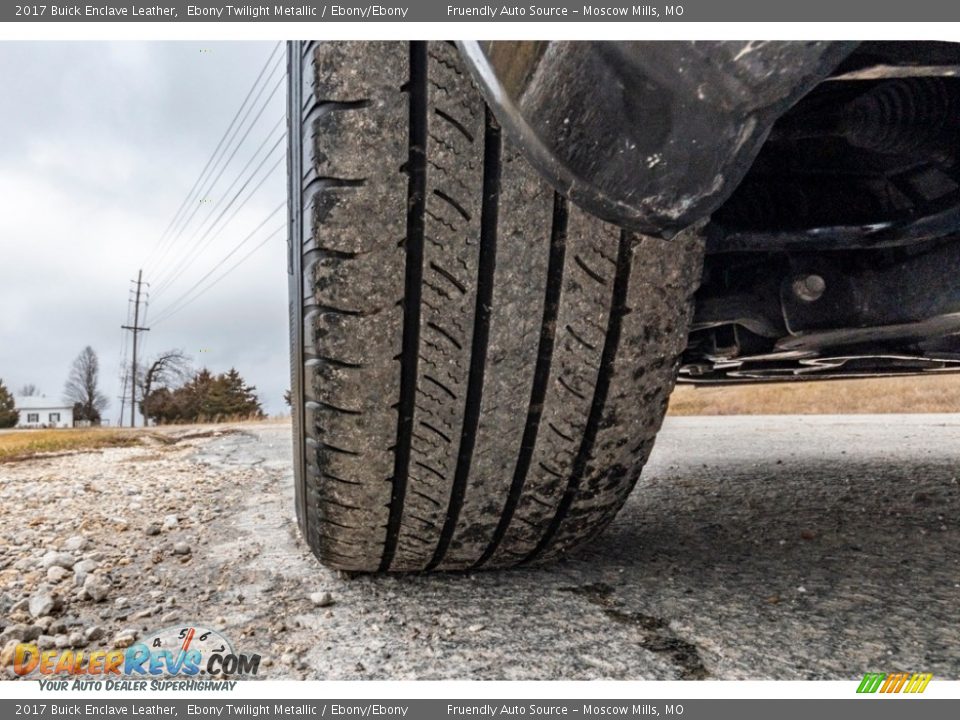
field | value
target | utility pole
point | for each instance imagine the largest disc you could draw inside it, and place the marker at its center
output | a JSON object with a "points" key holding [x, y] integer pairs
{"points": [[136, 329], [123, 399]]}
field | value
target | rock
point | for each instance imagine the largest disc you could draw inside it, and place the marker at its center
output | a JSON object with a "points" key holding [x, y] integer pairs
{"points": [[56, 573], [76, 544], [61, 559], [46, 642], [181, 548], [94, 632], [82, 569], [146, 612], [43, 603], [14, 632], [152, 529], [8, 653], [171, 522], [321, 599], [77, 639], [61, 641], [288, 659], [125, 638], [96, 588], [121, 602], [20, 605], [57, 627]]}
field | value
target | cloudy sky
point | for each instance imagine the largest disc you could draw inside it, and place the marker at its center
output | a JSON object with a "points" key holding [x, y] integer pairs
{"points": [[101, 143]]}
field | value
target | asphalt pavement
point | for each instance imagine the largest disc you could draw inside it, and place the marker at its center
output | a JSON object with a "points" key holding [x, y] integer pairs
{"points": [[753, 547]]}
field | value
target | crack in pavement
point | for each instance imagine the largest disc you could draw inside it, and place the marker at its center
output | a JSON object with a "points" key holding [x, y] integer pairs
{"points": [[655, 633]]}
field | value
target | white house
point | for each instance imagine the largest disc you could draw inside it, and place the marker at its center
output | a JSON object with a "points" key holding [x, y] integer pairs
{"points": [[40, 411]]}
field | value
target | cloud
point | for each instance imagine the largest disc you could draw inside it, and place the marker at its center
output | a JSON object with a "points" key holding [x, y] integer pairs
{"points": [[102, 141]]}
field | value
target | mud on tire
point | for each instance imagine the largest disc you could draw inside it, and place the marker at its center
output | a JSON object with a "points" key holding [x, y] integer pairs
{"points": [[480, 368]]}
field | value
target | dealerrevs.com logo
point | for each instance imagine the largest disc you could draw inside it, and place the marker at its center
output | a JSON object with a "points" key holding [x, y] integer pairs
{"points": [[887, 683], [183, 657]]}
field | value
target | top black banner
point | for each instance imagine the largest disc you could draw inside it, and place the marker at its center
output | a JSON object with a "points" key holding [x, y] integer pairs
{"points": [[438, 11]]}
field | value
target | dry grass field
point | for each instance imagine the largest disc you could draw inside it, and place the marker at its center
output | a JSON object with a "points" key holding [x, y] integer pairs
{"points": [[925, 394], [23, 444]]}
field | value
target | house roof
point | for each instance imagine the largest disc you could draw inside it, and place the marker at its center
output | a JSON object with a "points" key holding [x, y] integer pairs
{"points": [[40, 402]]}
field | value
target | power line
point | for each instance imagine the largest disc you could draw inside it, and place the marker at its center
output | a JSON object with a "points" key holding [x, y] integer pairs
{"points": [[216, 150], [198, 247], [211, 160], [209, 190], [173, 308], [240, 175], [166, 311], [242, 204]]}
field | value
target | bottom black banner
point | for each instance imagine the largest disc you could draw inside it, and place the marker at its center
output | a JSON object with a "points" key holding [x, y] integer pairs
{"points": [[874, 708]]}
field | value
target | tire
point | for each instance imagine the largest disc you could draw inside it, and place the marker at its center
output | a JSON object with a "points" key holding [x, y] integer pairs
{"points": [[480, 368]]}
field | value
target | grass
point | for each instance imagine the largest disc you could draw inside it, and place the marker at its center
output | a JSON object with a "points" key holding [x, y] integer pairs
{"points": [[923, 394], [24, 444]]}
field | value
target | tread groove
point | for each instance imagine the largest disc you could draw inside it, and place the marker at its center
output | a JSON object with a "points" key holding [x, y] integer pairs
{"points": [[579, 339], [489, 219], [449, 276], [452, 203], [444, 333], [413, 273], [541, 373], [456, 123], [589, 271], [440, 385], [569, 388], [334, 408], [608, 355], [427, 425]]}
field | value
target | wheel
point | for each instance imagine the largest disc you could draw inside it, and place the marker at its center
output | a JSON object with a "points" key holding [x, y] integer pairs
{"points": [[480, 368]]}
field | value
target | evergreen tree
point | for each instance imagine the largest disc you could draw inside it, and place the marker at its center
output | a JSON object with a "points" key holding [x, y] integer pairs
{"points": [[205, 398], [8, 411]]}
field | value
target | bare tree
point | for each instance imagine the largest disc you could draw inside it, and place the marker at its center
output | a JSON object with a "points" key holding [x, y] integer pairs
{"points": [[29, 390], [82, 387], [171, 367]]}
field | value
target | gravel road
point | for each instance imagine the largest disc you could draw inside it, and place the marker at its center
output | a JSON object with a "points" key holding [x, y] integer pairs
{"points": [[753, 547]]}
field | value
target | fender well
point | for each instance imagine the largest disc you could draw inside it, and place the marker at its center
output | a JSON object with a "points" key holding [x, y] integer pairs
{"points": [[652, 136]]}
